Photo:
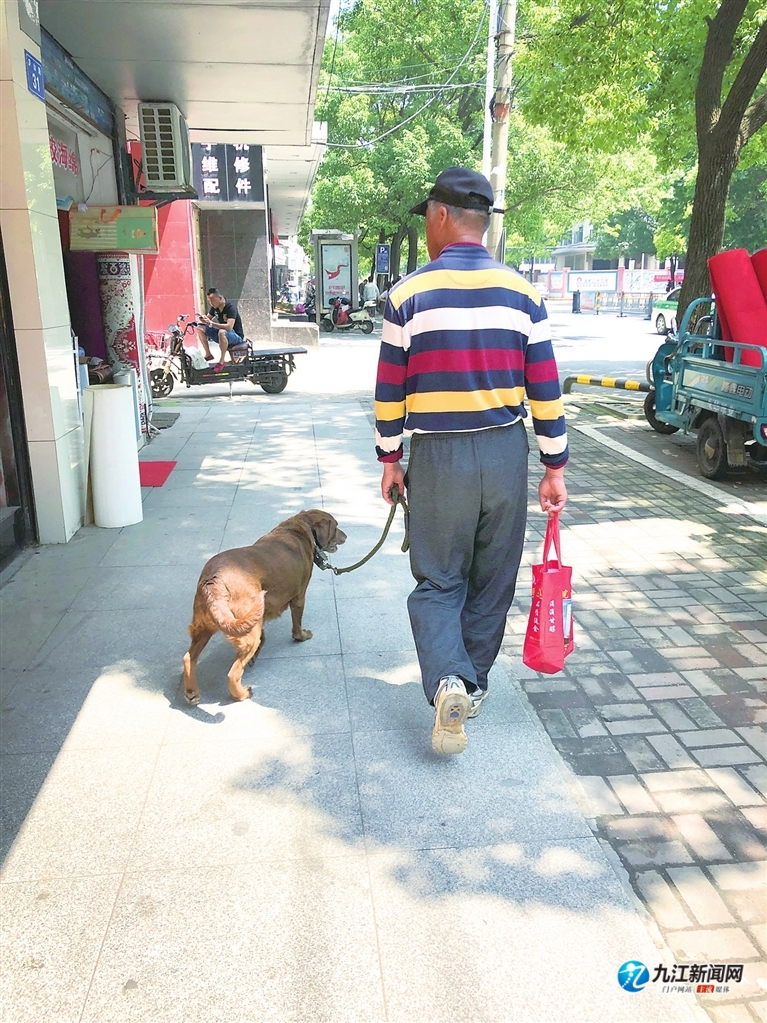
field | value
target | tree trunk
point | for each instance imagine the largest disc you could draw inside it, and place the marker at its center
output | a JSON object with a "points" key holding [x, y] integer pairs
{"points": [[716, 164], [396, 251], [412, 248]]}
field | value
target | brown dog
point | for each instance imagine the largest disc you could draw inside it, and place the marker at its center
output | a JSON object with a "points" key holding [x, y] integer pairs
{"points": [[239, 590]]}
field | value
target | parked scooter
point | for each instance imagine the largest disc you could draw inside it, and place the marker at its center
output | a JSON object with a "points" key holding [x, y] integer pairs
{"points": [[343, 317]]}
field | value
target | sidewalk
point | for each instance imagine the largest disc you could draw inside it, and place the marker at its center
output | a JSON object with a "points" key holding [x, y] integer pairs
{"points": [[305, 856]]}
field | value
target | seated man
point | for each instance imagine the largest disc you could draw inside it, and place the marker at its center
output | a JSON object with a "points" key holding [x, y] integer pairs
{"points": [[222, 324]]}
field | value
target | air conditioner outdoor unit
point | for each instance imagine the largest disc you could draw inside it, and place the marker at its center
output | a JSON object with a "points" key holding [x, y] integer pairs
{"points": [[165, 146]]}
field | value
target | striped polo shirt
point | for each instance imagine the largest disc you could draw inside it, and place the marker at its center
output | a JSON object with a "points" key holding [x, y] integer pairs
{"points": [[464, 339]]}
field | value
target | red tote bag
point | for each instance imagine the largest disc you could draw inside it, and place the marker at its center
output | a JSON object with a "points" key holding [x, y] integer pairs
{"points": [[549, 636]]}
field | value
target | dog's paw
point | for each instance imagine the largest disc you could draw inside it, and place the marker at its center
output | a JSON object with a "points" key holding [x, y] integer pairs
{"points": [[248, 692], [303, 636], [192, 698]]}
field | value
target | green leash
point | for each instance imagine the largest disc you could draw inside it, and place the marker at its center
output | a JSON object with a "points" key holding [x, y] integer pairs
{"points": [[322, 561]]}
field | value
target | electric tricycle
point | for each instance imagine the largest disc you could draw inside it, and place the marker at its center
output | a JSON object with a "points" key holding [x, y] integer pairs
{"points": [[702, 386], [268, 368]]}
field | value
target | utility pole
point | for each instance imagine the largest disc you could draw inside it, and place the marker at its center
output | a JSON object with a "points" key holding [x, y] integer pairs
{"points": [[489, 87], [500, 139]]}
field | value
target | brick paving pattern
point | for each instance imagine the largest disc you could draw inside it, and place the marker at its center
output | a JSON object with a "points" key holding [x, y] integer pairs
{"points": [[661, 711]]}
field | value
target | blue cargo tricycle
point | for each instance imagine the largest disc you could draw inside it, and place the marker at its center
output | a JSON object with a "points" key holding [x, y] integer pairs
{"points": [[698, 391]]}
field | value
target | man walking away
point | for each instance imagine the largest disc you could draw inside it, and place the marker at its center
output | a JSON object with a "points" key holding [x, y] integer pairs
{"points": [[370, 293], [222, 324], [464, 340]]}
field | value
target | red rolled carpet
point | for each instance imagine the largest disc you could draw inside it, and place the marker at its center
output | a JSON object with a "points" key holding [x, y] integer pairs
{"points": [[740, 303], [154, 474], [759, 260]]}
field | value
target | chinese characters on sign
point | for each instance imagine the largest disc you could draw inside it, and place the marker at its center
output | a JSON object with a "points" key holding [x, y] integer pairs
{"points": [[62, 156], [228, 173]]}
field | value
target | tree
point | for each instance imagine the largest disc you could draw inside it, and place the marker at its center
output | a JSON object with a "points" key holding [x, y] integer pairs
{"points": [[685, 77], [626, 234], [392, 61]]}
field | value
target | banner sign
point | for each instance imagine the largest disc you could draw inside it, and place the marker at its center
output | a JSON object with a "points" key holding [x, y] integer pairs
{"points": [[592, 280], [114, 229], [335, 261], [383, 254], [228, 173], [645, 281]]}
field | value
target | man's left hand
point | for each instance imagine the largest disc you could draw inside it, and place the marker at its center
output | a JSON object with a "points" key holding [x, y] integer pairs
{"points": [[552, 492], [392, 473]]}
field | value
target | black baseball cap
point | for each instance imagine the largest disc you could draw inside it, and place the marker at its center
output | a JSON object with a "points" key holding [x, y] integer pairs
{"points": [[459, 186]]}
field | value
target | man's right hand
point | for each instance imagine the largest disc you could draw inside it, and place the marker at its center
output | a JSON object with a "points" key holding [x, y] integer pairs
{"points": [[392, 473]]}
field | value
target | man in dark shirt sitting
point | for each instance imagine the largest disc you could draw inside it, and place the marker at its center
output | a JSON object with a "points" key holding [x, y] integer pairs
{"points": [[222, 324]]}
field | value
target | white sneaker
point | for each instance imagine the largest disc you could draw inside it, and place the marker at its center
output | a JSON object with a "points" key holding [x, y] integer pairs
{"points": [[452, 705], [477, 699]]}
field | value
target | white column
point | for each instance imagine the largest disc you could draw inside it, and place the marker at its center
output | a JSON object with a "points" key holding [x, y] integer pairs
{"points": [[29, 224]]}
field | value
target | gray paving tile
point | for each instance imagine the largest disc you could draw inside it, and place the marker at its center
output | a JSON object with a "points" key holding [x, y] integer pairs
{"points": [[36, 586], [308, 695], [84, 816], [433, 905], [366, 625], [504, 787], [25, 632], [41, 712], [8, 681], [21, 778], [148, 645], [277, 795], [296, 942], [52, 932], [169, 546], [151, 588]]}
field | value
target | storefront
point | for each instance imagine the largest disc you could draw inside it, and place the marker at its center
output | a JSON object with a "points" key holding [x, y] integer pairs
{"points": [[104, 289]]}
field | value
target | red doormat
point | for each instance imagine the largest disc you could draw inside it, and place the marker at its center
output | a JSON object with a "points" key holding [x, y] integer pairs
{"points": [[154, 474]]}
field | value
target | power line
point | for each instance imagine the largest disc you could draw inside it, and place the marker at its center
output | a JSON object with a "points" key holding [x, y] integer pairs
{"points": [[428, 103], [400, 90]]}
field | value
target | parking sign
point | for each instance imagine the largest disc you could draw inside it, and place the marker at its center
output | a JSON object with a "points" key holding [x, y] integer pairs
{"points": [[382, 259]]}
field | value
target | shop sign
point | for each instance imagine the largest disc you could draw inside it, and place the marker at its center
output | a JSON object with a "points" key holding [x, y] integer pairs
{"points": [[228, 173], [65, 159], [592, 280], [63, 155], [114, 229], [29, 19]]}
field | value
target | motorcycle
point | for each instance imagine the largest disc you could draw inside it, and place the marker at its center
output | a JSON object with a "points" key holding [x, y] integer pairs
{"points": [[268, 368], [342, 317]]}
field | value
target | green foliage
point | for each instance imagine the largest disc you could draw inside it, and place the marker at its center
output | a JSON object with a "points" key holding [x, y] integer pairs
{"points": [[626, 234], [603, 121], [606, 74], [410, 44], [746, 224]]}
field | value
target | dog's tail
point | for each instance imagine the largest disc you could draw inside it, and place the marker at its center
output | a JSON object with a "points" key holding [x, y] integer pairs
{"points": [[219, 607]]}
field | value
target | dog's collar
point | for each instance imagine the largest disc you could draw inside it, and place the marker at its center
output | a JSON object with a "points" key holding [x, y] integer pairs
{"points": [[321, 559]]}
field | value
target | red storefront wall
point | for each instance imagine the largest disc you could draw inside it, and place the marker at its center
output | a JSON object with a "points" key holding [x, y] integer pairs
{"points": [[171, 278]]}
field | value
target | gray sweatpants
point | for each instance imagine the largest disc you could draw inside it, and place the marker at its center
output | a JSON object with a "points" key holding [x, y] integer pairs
{"points": [[468, 508]]}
